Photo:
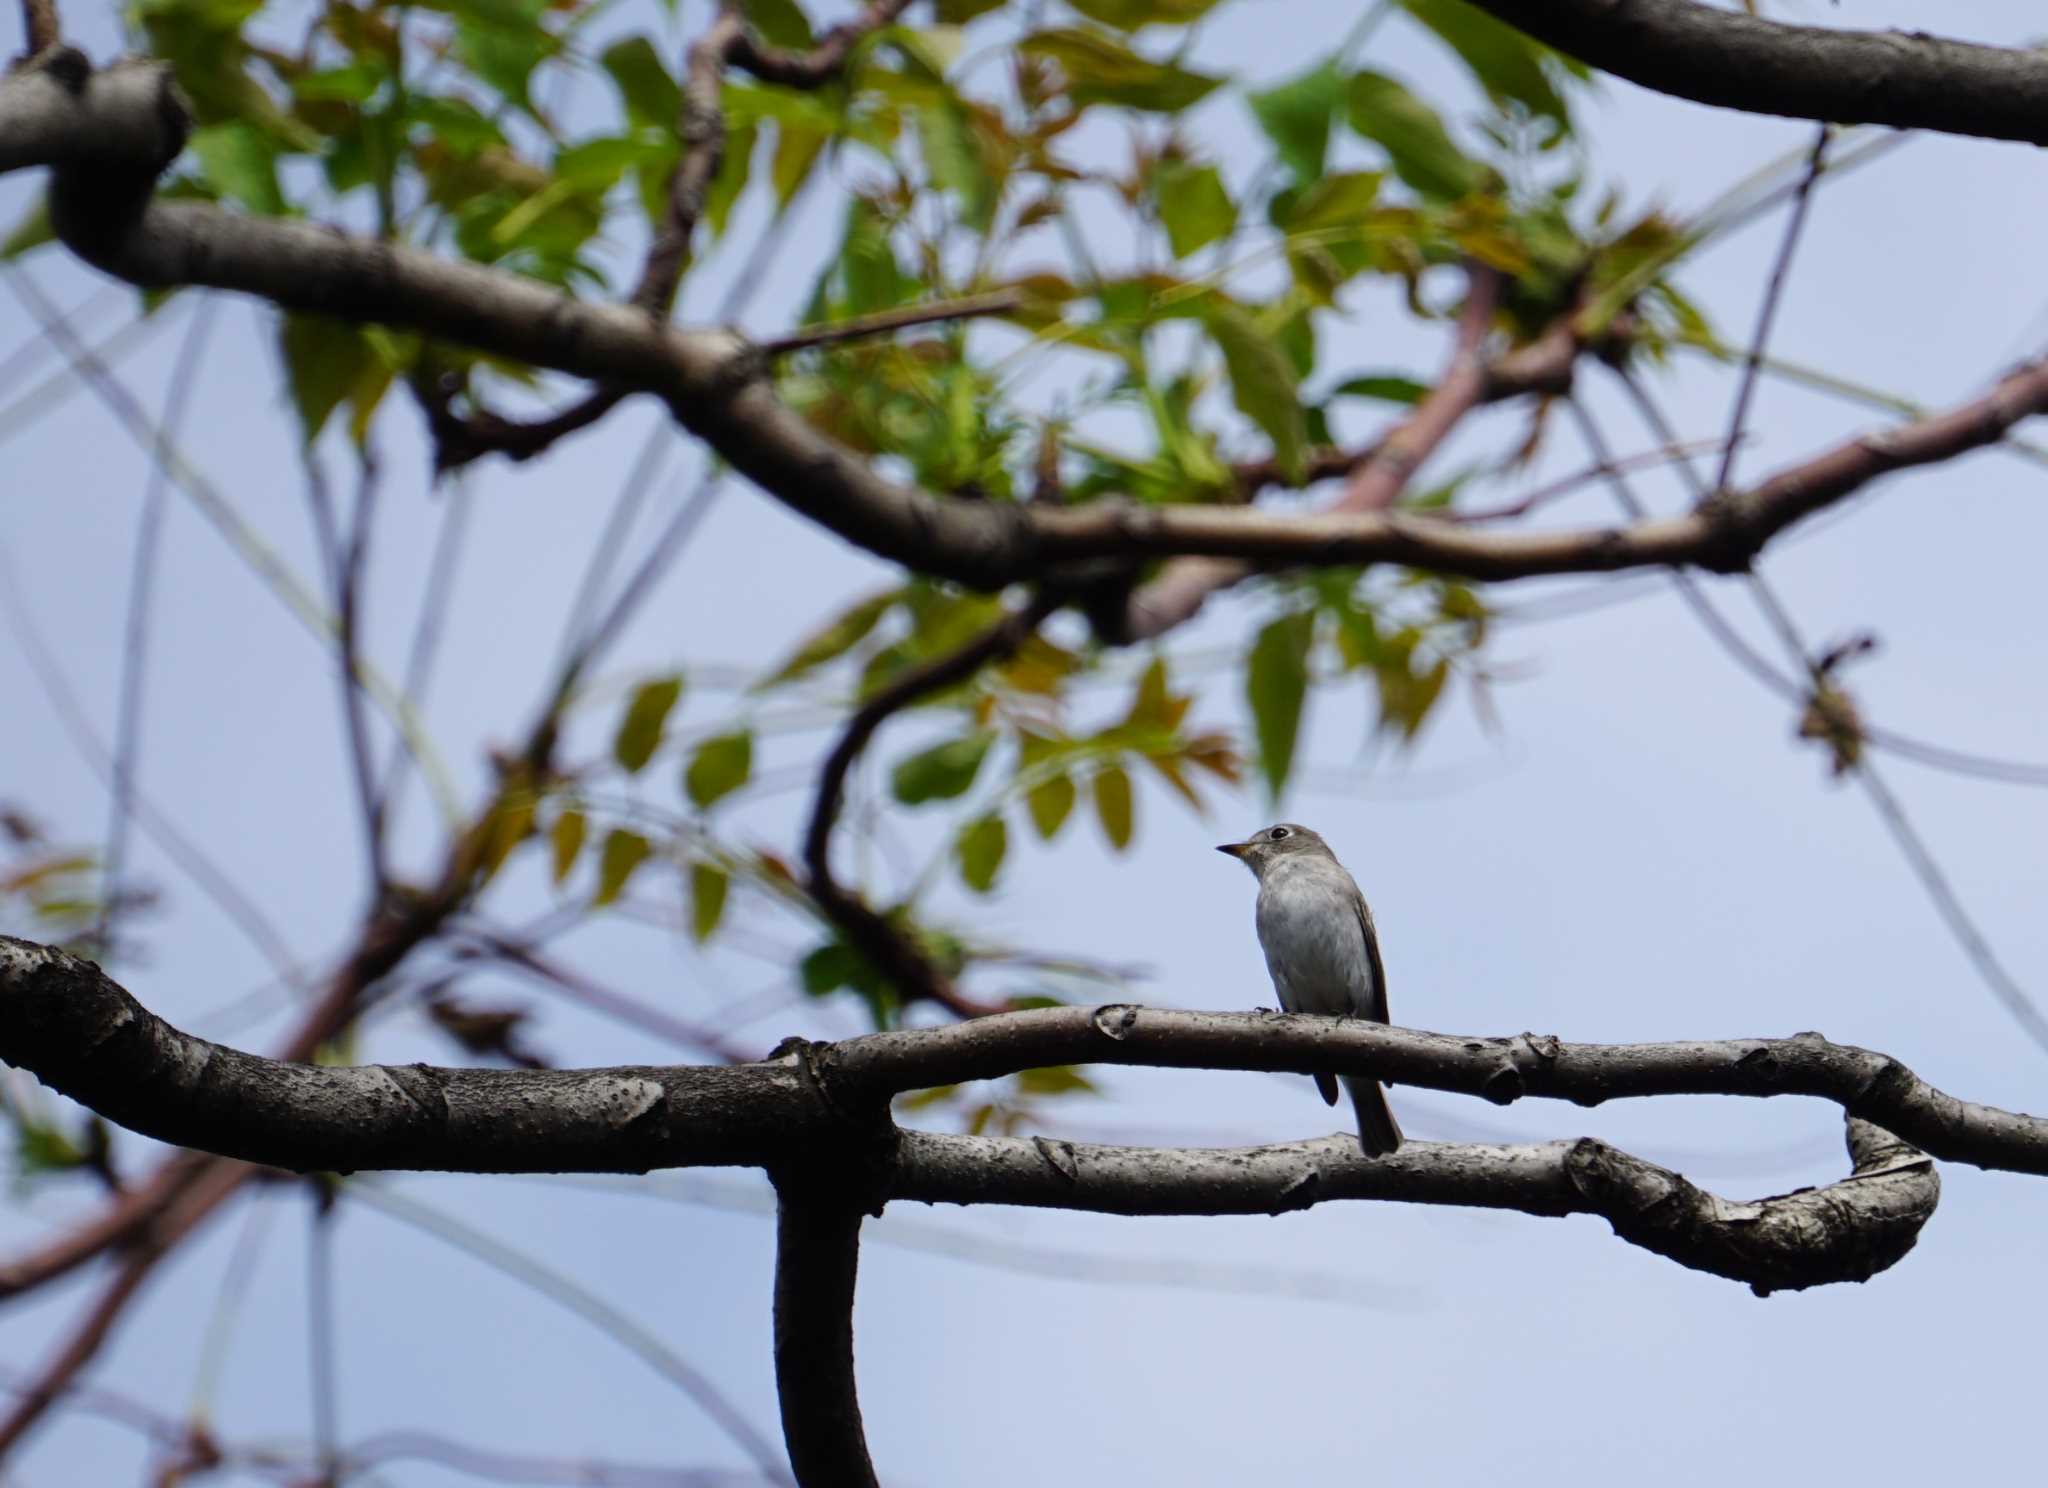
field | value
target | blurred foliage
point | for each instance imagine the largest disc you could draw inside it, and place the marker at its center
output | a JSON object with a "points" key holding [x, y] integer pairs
{"points": [[967, 148]]}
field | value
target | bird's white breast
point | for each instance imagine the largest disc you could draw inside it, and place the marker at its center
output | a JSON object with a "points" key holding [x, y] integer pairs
{"points": [[1309, 927]]}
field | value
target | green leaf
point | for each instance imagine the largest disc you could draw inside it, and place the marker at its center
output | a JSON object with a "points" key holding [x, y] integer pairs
{"points": [[1193, 205], [1049, 803], [780, 22], [511, 823], [1056, 1079], [796, 151], [709, 885], [980, 851], [960, 12], [835, 639], [942, 772], [1388, 387], [734, 166], [503, 43], [1099, 70], [720, 766], [1113, 805], [1339, 199], [953, 156], [1507, 63], [640, 726], [1276, 686], [326, 362], [1129, 15], [32, 231], [1296, 117], [565, 839], [623, 854], [650, 92], [240, 161], [1262, 384], [831, 966], [1418, 146]]}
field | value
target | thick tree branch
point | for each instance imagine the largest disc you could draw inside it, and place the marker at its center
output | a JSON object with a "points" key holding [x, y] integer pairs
{"points": [[88, 1038], [700, 128], [1845, 1231], [65, 1021], [711, 381], [1906, 79], [817, 1252]]}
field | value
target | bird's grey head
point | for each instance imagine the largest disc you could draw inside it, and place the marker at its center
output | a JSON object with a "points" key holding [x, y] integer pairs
{"points": [[1269, 845]]}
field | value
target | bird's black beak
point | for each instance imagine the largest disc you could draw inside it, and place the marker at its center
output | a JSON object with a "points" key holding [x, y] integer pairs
{"points": [[1235, 849]]}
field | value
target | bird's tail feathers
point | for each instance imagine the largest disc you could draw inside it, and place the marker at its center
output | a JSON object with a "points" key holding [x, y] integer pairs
{"points": [[1378, 1132]]}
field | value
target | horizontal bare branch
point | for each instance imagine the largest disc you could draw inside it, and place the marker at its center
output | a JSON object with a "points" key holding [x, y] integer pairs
{"points": [[1843, 1231], [1711, 55], [64, 1020], [81, 1033]]}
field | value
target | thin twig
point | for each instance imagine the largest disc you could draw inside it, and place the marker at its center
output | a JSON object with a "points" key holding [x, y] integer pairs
{"points": [[426, 636], [141, 593], [39, 22], [612, 1321], [893, 953], [1892, 741], [191, 859], [1774, 293], [882, 322], [1565, 485], [1990, 969], [320, 1333]]}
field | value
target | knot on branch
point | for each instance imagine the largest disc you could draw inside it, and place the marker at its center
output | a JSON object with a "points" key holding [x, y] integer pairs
{"points": [[851, 1161], [1846, 1231], [1520, 1055], [1115, 1020]]}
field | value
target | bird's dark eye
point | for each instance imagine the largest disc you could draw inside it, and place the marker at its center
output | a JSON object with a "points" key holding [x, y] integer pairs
{"points": [[1278, 832]]}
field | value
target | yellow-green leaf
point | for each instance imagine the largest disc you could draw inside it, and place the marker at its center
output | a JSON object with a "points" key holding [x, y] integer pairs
{"points": [[709, 885], [719, 767], [645, 717], [1100, 70], [835, 639], [1113, 805], [980, 850], [1049, 803], [1276, 686], [565, 839], [1418, 146], [1296, 117], [326, 362], [779, 21], [511, 824], [942, 772], [1262, 383], [1193, 205], [623, 853]]}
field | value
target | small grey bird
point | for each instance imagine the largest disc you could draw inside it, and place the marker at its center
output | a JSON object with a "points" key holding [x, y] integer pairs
{"points": [[1322, 951]]}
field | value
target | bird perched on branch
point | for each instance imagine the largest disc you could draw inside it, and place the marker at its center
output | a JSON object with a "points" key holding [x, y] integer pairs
{"points": [[1322, 951]]}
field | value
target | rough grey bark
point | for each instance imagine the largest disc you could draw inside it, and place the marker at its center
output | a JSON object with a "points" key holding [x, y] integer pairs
{"points": [[1721, 56], [83, 1035], [1848, 1230], [817, 1253]]}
